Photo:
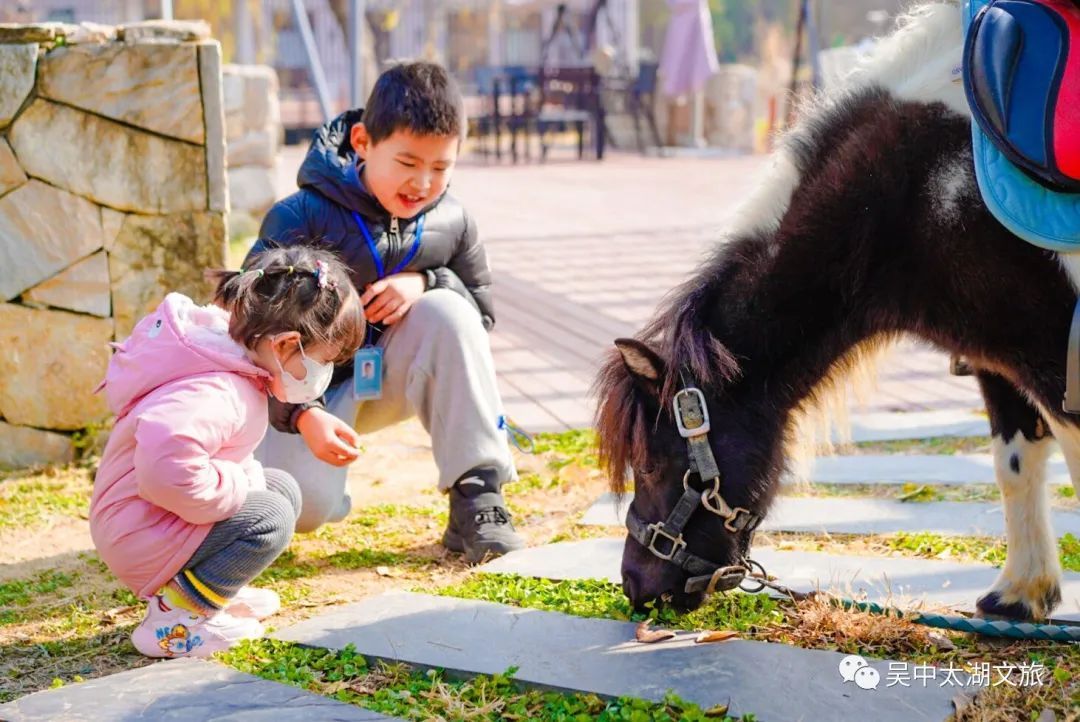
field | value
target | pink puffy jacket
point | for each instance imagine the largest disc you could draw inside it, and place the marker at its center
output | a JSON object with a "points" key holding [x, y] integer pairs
{"points": [[190, 408]]}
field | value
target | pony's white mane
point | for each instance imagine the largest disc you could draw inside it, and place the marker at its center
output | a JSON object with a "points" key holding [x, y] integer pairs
{"points": [[918, 62]]}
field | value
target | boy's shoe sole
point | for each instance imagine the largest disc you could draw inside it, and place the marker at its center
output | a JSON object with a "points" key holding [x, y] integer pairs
{"points": [[487, 549]]}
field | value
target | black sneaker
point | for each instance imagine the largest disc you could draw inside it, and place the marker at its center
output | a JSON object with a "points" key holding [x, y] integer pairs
{"points": [[479, 520]]}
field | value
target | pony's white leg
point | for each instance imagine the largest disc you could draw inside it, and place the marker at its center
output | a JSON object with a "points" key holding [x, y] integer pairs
{"points": [[1029, 586]]}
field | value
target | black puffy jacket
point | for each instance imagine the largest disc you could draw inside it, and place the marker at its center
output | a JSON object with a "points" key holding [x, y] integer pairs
{"points": [[451, 255]]}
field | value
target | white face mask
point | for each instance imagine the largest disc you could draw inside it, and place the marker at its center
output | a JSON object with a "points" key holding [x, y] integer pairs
{"points": [[309, 388]]}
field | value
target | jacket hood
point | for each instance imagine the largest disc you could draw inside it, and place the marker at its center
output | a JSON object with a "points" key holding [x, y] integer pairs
{"points": [[178, 340], [331, 168]]}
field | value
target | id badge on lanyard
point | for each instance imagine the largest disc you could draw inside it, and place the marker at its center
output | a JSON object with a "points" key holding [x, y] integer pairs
{"points": [[367, 373], [368, 361]]}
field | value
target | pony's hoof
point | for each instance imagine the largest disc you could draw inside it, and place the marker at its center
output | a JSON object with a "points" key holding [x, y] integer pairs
{"points": [[993, 605], [990, 606]]}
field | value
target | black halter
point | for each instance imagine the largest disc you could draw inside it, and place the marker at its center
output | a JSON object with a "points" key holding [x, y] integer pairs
{"points": [[692, 419]]}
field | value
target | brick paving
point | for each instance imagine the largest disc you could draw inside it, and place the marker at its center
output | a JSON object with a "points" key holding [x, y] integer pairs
{"points": [[583, 251]]}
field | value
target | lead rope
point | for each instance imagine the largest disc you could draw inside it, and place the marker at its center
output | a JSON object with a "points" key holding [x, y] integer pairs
{"points": [[957, 623]]}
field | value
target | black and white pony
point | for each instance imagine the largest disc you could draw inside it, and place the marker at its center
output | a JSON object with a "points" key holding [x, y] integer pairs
{"points": [[868, 226]]}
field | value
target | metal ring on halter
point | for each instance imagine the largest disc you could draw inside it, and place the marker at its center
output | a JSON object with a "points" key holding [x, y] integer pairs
{"points": [[750, 564], [686, 483]]}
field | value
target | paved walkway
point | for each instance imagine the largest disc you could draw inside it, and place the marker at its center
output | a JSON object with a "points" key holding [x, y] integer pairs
{"points": [[582, 253]]}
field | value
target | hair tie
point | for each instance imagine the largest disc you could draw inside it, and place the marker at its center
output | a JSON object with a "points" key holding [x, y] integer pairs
{"points": [[322, 275], [290, 270]]}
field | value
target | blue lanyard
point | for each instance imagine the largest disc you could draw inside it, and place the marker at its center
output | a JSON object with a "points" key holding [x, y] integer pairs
{"points": [[379, 268]]}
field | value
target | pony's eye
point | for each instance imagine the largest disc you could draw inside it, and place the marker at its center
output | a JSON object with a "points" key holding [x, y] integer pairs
{"points": [[644, 472]]}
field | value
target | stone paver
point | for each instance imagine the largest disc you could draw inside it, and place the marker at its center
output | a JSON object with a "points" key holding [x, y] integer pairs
{"points": [[887, 426], [596, 655], [181, 690], [838, 515], [920, 468], [899, 581]]}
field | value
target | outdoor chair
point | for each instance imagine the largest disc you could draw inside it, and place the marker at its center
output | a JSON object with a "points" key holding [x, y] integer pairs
{"points": [[570, 98]]}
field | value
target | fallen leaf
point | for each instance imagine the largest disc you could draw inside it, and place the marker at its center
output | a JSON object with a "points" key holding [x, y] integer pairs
{"points": [[651, 636], [940, 641], [715, 636], [113, 615], [334, 687]]}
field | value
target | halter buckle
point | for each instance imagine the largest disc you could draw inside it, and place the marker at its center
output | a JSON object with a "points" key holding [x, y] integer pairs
{"points": [[727, 576], [695, 401], [677, 541]]}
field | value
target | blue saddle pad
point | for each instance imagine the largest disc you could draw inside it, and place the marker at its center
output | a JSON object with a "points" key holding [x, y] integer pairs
{"points": [[1035, 212]]}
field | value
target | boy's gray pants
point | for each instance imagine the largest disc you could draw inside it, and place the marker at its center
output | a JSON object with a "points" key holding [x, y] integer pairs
{"points": [[436, 365]]}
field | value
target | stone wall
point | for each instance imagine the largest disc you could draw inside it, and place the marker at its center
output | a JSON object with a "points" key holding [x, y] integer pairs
{"points": [[112, 193], [253, 135]]}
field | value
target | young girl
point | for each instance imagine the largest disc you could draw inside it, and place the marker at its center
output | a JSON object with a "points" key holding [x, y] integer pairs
{"points": [[181, 512]]}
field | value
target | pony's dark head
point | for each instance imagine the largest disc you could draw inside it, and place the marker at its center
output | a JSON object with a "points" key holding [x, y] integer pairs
{"points": [[638, 434]]}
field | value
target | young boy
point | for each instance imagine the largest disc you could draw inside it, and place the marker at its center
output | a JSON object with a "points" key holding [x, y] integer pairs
{"points": [[373, 189]]}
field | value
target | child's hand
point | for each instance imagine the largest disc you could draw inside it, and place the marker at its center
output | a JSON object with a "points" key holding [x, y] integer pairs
{"points": [[329, 438], [389, 299]]}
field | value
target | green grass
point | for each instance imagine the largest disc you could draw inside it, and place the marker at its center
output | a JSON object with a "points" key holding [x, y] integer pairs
{"points": [[936, 445], [925, 544], [576, 442], [366, 559], [601, 599], [351, 545], [1070, 552], [399, 691], [27, 500], [379, 516], [987, 550], [21, 592], [911, 493], [567, 447]]}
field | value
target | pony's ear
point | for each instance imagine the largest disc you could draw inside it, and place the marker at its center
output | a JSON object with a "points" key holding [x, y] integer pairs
{"points": [[641, 360]]}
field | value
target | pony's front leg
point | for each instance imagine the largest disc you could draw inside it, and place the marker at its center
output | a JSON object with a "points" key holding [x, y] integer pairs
{"points": [[1029, 587]]}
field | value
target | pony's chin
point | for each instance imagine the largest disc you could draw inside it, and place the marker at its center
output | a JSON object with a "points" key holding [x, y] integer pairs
{"points": [[683, 602]]}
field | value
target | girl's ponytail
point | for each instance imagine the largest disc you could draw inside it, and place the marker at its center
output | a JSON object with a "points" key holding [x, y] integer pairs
{"points": [[298, 288]]}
